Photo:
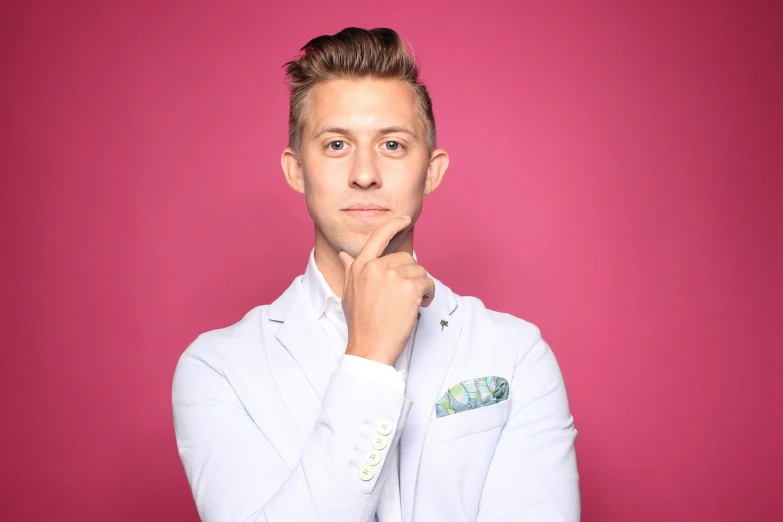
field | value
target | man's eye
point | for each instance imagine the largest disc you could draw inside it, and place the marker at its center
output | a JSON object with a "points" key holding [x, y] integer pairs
{"points": [[393, 146], [337, 145]]}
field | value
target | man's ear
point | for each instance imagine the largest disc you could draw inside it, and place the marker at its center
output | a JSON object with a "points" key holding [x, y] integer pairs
{"points": [[292, 170], [439, 162]]}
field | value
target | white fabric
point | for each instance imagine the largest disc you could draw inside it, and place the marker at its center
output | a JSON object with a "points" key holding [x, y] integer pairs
{"points": [[332, 319], [271, 427], [328, 309]]}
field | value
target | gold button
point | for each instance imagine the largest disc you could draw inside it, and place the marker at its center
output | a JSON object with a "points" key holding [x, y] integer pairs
{"points": [[378, 442], [384, 426], [366, 472], [373, 457]]}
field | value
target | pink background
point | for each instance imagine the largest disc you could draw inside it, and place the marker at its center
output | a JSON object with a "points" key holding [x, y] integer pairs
{"points": [[615, 179]]}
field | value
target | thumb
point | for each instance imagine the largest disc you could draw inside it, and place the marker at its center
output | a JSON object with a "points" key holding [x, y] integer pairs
{"points": [[347, 261]]}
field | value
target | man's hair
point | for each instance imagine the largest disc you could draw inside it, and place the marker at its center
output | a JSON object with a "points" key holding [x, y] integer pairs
{"points": [[353, 54]]}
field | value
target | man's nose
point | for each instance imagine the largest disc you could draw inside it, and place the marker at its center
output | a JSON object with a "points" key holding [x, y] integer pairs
{"points": [[365, 170]]}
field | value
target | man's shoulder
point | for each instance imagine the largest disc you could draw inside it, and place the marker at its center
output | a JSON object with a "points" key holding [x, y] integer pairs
{"points": [[477, 314], [248, 332], [494, 327], [214, 346]]}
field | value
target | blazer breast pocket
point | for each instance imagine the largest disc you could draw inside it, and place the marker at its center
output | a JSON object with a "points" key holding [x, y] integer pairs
{"points": [[467, 422]]}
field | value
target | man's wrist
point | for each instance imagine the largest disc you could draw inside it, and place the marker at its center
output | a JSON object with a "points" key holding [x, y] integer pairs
{"points": [[374, 356]]}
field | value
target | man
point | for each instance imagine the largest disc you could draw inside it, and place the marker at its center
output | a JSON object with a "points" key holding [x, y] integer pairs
{"points": [[369, 390]]}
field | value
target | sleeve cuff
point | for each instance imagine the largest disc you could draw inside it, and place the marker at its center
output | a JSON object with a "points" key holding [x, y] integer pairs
{"points": [[372, 370]]}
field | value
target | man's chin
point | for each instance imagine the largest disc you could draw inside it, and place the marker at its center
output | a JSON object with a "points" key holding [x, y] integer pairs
{"points": [[353, 247]]}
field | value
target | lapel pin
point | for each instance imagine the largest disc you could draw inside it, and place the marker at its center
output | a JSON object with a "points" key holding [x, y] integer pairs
{"points": [[442, 324]]}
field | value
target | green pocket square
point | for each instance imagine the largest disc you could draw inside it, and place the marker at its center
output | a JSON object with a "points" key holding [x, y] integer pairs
{"points": [[471, 394]]}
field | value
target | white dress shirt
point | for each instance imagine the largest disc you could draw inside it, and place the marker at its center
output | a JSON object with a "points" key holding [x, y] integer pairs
{"points": [[328, 308]]}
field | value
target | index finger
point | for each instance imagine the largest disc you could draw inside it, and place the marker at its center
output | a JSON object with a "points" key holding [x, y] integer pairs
{"points": [[380, 239]]}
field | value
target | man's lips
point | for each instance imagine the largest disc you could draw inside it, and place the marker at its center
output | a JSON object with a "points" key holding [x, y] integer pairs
{"points": [[365, 206], [366, 212]]}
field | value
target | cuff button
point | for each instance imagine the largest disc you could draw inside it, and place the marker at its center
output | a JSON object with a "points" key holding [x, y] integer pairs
{"points": [[384, 426], [378, 442], [372, 457], [366, 472]]}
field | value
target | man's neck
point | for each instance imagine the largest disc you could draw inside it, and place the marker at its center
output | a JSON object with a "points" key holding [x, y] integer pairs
{"points": [[331, 268]]}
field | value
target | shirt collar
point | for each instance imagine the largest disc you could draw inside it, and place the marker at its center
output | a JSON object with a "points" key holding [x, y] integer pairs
{"points": [[318, 290]]}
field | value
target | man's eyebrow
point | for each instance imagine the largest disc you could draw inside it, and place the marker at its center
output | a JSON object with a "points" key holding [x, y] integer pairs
{"points": [[397, 128], [385, 130]]}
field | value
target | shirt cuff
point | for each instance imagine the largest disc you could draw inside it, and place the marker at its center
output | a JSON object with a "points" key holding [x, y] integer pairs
{"points": [[373, 370]]}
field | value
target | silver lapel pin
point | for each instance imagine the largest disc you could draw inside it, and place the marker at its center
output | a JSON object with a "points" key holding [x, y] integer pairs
{"points": [[443, 323]]}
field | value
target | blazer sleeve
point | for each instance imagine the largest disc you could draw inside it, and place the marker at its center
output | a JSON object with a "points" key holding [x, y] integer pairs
{"points": [[236, 474], [533, 474]]}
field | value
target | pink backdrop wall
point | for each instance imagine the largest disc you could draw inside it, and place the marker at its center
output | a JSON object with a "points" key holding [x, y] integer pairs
{"points": [[615, 178]]}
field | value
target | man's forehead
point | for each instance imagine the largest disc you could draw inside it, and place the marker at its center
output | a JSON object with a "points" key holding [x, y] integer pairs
{"points": [[362, 105]]}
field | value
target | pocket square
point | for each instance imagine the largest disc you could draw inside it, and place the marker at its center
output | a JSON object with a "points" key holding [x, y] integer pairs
{"points": [[471, 394]]}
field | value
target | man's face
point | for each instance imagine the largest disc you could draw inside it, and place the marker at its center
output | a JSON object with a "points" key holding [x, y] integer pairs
{"points": [[363, 143]]}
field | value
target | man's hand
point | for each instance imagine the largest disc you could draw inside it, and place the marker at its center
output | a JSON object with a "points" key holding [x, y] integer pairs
{"points": [[382, 296]]}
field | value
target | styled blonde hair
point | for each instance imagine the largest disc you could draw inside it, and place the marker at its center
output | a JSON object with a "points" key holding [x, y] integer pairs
{"points": [[354, 54]]}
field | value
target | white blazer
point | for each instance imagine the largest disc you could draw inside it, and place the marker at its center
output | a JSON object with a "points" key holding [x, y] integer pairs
{"points": [[269, 428]]}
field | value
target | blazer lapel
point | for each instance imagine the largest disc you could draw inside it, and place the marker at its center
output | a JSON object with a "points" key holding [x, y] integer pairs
{"points": [[303, 337], [433, 349]]}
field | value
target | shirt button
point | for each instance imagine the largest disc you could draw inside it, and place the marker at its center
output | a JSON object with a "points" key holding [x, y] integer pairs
{"points": [[366, 472], [373, 457], [339, 307], [384, 426], [378, 442]]}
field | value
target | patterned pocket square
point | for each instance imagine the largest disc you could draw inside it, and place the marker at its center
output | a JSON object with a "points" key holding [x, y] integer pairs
{"points": [[471, 394]]}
